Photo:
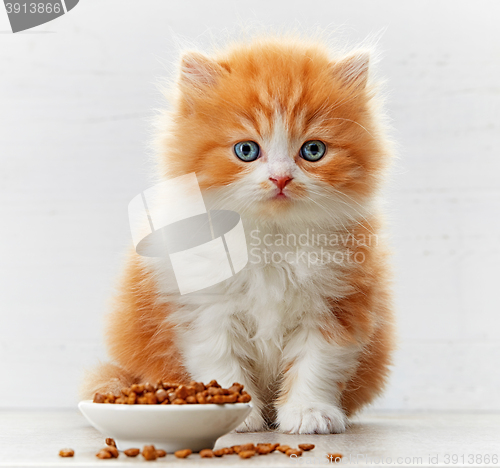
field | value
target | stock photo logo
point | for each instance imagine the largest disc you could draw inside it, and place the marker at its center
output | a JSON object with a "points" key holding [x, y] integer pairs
{"points": [[26, 15], [205, 247]]}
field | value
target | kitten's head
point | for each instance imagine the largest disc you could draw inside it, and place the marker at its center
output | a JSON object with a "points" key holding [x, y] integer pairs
{"points": [[278, 130]]}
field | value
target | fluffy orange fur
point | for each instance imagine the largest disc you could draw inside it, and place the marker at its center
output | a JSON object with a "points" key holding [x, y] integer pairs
{"points": [[317, 96]]}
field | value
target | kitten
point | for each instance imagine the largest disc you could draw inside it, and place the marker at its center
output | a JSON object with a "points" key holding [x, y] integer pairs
{"points": [[291, 139]]}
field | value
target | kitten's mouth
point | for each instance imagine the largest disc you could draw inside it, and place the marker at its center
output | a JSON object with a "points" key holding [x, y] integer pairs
{"points": [[280, 196]]}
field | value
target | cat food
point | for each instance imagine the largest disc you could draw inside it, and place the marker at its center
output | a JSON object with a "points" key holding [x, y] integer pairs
{"points": [[132, 452], [247, 453], [306, 447], [165, 393], [263, 449], [66, 453], [292, 451], [113, 451], [206, 453], [103, 454], [111, 442], [334, 457], [149, 452], [161, 453], [183, 453], [283, 448], [224, 451]]}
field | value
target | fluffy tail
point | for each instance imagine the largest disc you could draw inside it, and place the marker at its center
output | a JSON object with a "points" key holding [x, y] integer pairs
{"points": [[105, 378]]}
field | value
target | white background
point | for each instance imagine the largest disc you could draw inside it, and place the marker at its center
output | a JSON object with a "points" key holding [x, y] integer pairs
{"points": [[75, 98]]}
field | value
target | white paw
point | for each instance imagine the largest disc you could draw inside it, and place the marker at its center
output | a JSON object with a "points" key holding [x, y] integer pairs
{"points": [[311, 419], [253, 423]]}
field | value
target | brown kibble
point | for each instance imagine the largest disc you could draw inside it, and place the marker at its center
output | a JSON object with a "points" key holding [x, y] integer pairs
{"points": [[246, 447], [228, 451], [334, 457], [170, 385], [231, 398], [214, 391], [282, 448], [99, 398], [292, 451], [219, 453], [103, 454], [235, 388], [132, 452], [198, 386], [111, 442], [306, 447], [246, 453], [137, 388], [160, 453], [236, 448], [161, 395], [150, 398], [166, 392], [206, 453], [65, 453], [183, 453], [181, 392], [149, 452], [244, 398], [263, 449], [201, 398], [112, 450]]}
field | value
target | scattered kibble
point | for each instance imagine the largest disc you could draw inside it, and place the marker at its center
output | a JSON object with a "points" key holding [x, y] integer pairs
{"points": [[103, 454], [206, 453], [247, 453], [149, 452], [166, 393], [283, 448], [183, 453], [263, 449], [306, 447], [65, 453], [132, 452], [110, 442]]}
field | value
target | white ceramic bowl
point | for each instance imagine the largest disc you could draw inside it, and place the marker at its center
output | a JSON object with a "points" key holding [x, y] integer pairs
{"points": [[169, 427]]}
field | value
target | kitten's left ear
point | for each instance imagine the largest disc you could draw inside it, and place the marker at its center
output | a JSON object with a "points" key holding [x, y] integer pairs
{"points": [[353, 70], [199, 71]]}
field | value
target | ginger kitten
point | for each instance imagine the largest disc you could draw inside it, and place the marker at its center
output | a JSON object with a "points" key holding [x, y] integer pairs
{"points": [[291, 138]]}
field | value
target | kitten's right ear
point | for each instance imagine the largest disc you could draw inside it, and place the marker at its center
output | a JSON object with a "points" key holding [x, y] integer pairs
{"points": [[199, 71]]}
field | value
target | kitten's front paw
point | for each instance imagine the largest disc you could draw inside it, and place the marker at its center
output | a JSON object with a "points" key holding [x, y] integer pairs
{"points": [[311, 419], [253, 423]]}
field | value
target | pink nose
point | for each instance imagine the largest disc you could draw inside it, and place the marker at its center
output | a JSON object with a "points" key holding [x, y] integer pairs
{"points": [[281, 181]]}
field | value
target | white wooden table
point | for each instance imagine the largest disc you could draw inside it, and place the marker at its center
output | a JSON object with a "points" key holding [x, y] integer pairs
{"points": [[35, 438]]}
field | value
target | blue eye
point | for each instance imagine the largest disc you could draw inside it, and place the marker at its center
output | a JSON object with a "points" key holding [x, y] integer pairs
{"points": [[313, 150], [247, 150]]}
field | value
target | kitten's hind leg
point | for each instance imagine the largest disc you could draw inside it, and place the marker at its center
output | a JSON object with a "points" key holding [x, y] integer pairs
{"points": [[105, 378]]}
